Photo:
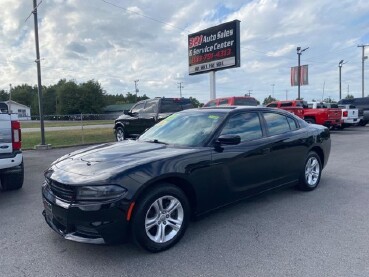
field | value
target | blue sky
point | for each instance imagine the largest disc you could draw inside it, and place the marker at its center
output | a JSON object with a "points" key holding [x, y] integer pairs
{"points": [[117, 42]]}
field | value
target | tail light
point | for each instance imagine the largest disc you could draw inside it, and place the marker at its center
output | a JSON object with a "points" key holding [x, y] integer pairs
{"points": [[345, 113], [16, 135]]}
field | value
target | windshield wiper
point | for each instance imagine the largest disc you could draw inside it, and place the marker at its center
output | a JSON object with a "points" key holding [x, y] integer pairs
{"points": [[156, 141]]}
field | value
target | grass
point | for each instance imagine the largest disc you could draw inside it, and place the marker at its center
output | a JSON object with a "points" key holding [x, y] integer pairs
{"points": [[68, 138], [36, 124]]}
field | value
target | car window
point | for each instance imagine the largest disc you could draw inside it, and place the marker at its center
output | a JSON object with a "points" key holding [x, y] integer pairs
{"points": [[170, 106], [303, 104], [245, 102], [223, 102], [150, 107], [246, 125], [286, 104], [138, 107], [276, 123], [272, 105], [212, 103], [292, 123]]}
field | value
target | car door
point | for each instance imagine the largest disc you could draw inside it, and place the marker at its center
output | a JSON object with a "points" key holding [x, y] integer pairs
{"points": [[244, 168], [132, 124], [148, 115], [288, 147]]}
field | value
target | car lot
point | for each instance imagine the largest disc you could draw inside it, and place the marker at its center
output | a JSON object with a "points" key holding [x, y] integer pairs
{"points": [[284, 233]]}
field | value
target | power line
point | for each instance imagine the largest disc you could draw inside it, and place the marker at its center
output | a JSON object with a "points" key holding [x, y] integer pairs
{"points": [[145, 16]]}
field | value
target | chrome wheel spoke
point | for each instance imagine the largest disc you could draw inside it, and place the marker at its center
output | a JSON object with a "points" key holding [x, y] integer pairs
{"points": [[175, 224], [160, 234], [173, 206], [149, 223]]}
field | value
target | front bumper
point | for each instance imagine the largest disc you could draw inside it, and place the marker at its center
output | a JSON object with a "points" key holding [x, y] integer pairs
{"points": [[96, 223]]}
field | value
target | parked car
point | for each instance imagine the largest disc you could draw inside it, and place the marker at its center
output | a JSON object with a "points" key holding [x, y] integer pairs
{"points": [[233, 101], [145, 114], [188, 164], [362, 104]]}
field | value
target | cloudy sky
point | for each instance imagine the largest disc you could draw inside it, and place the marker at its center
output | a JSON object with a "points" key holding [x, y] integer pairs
{"points": [[116, 42]]}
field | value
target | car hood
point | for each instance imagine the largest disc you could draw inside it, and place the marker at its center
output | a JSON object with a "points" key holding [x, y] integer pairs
{"points": [[104, 161]]}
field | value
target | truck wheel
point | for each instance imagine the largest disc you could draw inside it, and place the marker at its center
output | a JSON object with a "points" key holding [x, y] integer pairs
{"points": [[363, 122], [310, 175], [12, 180], [119, 134], [310, 120], [161, 218]]}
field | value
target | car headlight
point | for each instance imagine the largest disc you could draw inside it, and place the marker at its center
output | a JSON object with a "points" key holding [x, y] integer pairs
{"points": [[99, 192]]}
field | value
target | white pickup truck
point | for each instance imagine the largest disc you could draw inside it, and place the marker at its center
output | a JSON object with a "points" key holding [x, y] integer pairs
{"points": [[350, 115], [11, 157]]}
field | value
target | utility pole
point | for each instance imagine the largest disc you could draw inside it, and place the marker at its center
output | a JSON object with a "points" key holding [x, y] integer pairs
{"points": [[180, 88], [38, 62], [249, 92], [299, 52], [286, 94], [340, 67], [136, 88], [363, 58]]}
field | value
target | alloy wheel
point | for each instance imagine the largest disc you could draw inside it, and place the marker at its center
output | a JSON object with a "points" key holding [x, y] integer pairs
{"points": [[312, 171], [164, 219]]}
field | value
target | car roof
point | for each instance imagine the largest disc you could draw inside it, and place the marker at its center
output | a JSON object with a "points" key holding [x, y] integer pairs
{"points": [[231, 109]]}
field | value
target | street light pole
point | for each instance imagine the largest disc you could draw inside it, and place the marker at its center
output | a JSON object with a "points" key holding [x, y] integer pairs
{"points": [[299, 52], [340, 68], [362, 67]]}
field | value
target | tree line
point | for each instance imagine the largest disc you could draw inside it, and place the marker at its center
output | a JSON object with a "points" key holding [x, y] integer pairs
{"points": [[70, 97]]}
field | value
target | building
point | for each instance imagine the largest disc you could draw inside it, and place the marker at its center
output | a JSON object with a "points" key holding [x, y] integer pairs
{"points": [[24, 112]]}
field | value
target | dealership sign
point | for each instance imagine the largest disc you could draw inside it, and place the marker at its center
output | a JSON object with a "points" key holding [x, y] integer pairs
{"points": [[214, 48]]}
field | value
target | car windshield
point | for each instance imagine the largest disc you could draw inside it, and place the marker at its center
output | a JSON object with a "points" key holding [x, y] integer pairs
{"points": [[189, 128]]}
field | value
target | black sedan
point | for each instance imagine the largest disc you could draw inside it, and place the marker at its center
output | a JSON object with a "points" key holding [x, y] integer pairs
{"points": [[190, 163]]}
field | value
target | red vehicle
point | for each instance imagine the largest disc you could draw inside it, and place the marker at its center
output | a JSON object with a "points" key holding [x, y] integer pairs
{"points": [[233, 101], [330, 117], [291, 106]]}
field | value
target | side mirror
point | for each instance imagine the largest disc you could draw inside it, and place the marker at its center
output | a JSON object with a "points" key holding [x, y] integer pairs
{"points": [[229, 139]]}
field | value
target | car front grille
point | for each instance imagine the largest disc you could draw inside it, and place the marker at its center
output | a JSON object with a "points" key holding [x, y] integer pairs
{"points": [[62, 191]]}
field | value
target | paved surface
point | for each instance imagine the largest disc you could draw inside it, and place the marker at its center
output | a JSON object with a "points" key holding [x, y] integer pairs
{"points": [[62, 128], [284, 233]]}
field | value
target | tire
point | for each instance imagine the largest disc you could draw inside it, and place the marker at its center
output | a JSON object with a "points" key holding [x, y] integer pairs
{"points": [[311, 173], [119, 134], [310, 120], [12, 180], [363, 122], [152, 224]]}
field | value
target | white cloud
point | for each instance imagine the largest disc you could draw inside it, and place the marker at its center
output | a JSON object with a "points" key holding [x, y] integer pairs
{"points": [[116, 45]]}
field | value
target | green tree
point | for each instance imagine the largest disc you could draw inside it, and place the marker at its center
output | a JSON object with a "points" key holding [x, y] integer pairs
{"points": [[91, 97], [349, 96], [268, 100], [49, 100], [68, 97], [196, 103], [4, 96]]}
